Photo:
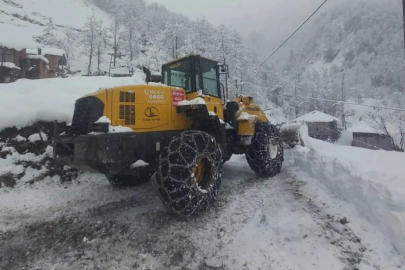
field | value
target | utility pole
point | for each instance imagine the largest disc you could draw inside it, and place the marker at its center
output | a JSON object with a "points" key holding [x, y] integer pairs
{"points": [[343, 100], [403, 8], [176, 44]]}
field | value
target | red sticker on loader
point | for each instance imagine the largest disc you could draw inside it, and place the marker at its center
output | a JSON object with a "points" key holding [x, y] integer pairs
{"points": [[177, 95]]}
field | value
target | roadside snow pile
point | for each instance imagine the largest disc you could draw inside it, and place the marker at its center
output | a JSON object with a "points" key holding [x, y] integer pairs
{"points": [[25, 102], [290, 134], [372, 180], [29, 160], [37, 137]]}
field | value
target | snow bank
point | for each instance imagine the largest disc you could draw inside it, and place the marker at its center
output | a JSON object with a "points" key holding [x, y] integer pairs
{"points": [[37, 137], [47, 99], [372, 180]]}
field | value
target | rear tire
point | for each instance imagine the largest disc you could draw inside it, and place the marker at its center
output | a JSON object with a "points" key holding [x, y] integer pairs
{"points": [[190, 172], [122, 181], [265, 155]]}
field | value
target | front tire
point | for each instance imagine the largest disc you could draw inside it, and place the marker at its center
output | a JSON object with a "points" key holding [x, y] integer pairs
{"points": [[265, 155], [190, 172]]}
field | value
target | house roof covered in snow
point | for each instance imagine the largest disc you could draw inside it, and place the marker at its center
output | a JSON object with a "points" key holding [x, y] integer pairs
{"points": [[18, 37], [53, 51], [317, 116], [41, 57], [362, 127]]}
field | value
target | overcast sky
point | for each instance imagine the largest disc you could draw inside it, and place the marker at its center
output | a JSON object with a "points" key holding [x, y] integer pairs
{"points": [[216, 11], [270, 20], [269, 17]]}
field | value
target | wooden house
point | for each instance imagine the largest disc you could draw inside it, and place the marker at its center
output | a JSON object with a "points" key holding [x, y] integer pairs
{"points": [[321, 126], [30, 63], [367, 137]]}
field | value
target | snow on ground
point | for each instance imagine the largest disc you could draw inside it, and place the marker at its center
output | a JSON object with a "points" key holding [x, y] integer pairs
{"points": [[287, 222], [371, 180], [49, 99]]}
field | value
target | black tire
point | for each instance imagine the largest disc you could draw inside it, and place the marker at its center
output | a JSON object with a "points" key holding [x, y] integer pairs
{"points": [[177, 174], [265, 155], [122, 181]]}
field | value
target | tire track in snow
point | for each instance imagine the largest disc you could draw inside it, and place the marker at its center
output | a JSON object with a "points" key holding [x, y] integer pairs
{"points": [[139, 233], [351, 248]]}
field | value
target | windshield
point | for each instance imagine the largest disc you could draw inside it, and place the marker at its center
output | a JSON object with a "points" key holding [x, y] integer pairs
{"points": [[178, 74]]}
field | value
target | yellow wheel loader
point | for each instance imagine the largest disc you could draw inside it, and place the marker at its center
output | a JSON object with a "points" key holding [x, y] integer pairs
{"points": [[178, 127]]}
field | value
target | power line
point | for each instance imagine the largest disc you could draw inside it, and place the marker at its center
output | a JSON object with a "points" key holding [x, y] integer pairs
{"points": [[350, 103], [291, 35]]}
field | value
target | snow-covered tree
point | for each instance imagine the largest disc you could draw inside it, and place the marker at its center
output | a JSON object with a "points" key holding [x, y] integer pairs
{"points": [[89, 39]]}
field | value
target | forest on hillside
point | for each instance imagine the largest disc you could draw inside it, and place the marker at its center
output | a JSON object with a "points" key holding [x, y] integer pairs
{"points": [[141, 34], [351, 51]]}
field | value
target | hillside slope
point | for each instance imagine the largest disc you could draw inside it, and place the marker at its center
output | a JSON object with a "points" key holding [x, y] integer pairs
{"points": [[25, 22]]}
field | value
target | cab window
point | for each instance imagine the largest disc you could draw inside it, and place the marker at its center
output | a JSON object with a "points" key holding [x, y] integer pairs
{"points": [[178, 74], [210, 78]]}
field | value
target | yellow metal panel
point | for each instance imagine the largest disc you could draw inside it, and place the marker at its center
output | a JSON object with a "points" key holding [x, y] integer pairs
{"points": [[246, 127], [214, 104], [246, 104], [155, 107], [180, 121]]}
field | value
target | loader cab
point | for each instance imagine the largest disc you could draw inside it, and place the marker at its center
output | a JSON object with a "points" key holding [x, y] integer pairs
{"points": [[194, 74]]}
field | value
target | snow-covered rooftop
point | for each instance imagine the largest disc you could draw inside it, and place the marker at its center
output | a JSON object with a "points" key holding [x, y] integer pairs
{"points": [[362, 127], [16, 38], [9, 65], [317, 116], [53, 51], [34, 56]]}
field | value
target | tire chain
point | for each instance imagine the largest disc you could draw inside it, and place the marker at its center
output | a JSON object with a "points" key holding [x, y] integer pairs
{"points": [[258, 156], [175, 178]]}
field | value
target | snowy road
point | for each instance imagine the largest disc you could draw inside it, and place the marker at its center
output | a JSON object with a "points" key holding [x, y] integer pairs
{"points": [[288, 222]]}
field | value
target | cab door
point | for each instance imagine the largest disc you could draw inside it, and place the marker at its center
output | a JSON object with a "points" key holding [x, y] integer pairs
{"points": [[207, 79]]}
